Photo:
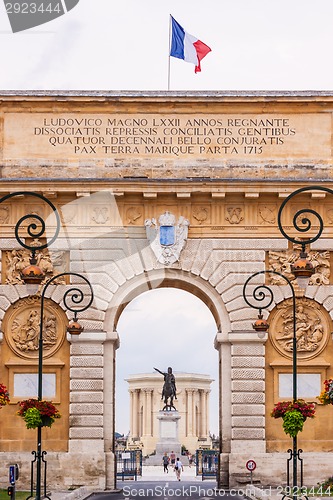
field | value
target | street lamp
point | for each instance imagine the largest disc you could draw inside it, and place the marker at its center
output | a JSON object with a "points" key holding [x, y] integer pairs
{"points": [[73, 299], [263, 297], [302, 269]]}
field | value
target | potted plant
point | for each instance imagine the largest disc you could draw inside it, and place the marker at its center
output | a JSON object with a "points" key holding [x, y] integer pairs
{"points": [[326, 396], [293, 414], [4, 396], [38, 413]]}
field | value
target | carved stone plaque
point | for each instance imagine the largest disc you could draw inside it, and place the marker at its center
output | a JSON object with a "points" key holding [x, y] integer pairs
{"points": [[22, 327], [312, 328]]}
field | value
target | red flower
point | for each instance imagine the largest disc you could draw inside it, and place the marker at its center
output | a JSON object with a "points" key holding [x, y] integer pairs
{"points": [[306, 409], [45, 408]]}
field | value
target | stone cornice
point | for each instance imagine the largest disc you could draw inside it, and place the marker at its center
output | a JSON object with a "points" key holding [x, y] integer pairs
{"points": [[216, 95]]}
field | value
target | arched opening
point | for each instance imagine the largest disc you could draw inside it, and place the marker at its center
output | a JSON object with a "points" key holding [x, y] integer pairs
{"points": [[161, 328]]}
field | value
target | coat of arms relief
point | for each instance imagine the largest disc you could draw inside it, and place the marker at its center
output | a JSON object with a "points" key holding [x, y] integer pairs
{"points": [[167, 237]]}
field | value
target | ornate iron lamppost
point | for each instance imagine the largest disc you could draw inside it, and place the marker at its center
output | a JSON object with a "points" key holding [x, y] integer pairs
{"points": [[74, 300], [263, 297], [302, 270]]}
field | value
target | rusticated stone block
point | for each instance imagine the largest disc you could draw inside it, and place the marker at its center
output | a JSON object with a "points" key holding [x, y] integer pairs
{"points": [[322, 293], [189, 253], [89, 373], [247, 433], [10, 292], [248, 374], [86, 421], [86, 385], [86, 408], [239, 268], [328, 303], [86, 361], [86, 397], [235, 305], [248, 397], [248, 385], [248, 362], [88, 348], [249, 409], [86, 433], [233, 293], [248, 421], [247, 350]]}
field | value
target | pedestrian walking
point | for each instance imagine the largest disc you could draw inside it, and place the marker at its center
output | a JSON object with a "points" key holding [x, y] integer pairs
{"points": [[173, 458], [166, 461], [178, 468]]}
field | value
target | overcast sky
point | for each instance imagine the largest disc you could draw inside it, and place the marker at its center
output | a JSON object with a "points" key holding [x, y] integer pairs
{"points": [[123, 45], [165, 327]]}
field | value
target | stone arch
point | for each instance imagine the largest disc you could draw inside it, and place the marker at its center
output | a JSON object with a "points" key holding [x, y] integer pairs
{"points": [[164, 278], [175, 278]]}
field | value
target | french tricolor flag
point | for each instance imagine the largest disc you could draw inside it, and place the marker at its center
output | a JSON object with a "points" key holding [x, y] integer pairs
{"points": [[187, 47]]}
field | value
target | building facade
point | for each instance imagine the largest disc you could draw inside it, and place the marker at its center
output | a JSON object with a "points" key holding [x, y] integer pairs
{"points": [[192, 405], [216, 166]]}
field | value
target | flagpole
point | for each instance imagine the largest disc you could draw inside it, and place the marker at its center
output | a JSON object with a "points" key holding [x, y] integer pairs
{"points": [[169, 52]]}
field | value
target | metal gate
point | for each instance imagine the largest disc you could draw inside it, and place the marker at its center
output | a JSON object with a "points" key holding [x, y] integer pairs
{"points": [[207, 463], [129, 464]]}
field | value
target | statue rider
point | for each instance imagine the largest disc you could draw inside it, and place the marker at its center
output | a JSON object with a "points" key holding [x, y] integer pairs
{"points": [[169, 380]]}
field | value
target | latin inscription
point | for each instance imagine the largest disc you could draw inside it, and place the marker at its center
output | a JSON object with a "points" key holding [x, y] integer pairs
{"points": [[187, 136]]}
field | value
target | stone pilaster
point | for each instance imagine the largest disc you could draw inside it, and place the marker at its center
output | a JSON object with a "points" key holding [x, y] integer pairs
{"points": [[248, 392], [86, 392]]}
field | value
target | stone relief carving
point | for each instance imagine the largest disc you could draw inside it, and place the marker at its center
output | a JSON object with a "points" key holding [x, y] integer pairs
{"points": [[4, 214], [312, 328], [25, 331], [133, 214], [200, 214], [166, 237], [101, 215], [282, 261], [69, 213], [22, 327], [267, 214], [235, 215], [51, 263]]}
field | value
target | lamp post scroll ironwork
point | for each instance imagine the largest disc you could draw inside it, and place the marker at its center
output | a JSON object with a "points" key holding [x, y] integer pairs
{"points": [[73, 299], [263, 298], [302, 269]]}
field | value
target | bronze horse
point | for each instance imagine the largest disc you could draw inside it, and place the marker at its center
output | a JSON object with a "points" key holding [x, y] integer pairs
{"points": [[169, 389]]}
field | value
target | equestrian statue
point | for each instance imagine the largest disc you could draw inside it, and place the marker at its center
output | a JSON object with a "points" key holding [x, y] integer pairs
{"points": [[169, 392]]}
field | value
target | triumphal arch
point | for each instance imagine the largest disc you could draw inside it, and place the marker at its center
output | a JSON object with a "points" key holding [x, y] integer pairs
{"points": [[165, 190]]}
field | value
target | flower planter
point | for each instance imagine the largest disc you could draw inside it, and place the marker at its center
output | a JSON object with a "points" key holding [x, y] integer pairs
{"points": [[38, 413], [294, 414]]}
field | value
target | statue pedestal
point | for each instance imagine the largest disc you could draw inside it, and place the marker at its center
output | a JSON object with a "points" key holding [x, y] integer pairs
{"points": [[168, 440], [168, 433]]}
